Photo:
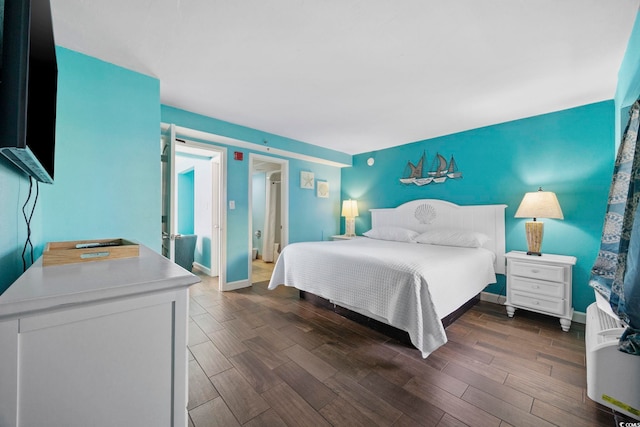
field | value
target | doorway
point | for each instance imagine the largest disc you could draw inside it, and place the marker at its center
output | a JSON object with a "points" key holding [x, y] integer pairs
{"points": [[268, 219], [193, 198], [197, 204]]}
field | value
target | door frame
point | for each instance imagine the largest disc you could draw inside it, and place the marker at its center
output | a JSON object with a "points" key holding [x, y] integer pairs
{"points": [[221, 190], [284, 202]]}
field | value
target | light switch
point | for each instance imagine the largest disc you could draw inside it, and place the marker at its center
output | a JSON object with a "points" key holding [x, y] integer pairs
{"points": [[232, 204]]}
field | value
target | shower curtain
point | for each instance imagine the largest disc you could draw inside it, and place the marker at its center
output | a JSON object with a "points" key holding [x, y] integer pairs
{"points": [[270, 217], [616, 272]]}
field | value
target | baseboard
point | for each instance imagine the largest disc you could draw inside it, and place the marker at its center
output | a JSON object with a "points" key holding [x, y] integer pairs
{"points": [[202, 268], [239, 284], [494, 298], [578, 316]]}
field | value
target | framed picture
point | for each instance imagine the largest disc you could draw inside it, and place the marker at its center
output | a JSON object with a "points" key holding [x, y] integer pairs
{"points": [[323, 189], [306, 180]]}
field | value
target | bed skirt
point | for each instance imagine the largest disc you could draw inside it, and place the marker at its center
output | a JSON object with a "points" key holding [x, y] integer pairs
{"points": [[376, 325]]}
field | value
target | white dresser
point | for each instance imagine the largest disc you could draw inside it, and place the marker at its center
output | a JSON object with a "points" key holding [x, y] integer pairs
{"points": [[96, 344], [541, 284]]}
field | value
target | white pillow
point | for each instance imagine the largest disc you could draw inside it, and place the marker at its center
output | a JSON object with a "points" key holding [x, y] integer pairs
{"points": [[453, 237], [397, 234]]}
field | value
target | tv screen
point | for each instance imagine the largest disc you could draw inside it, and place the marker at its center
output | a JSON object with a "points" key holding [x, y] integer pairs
{"points": [[1, 32], [28, 87]]}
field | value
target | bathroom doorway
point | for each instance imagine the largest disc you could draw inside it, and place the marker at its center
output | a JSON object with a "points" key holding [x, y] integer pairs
{"points": [[268, 219]]}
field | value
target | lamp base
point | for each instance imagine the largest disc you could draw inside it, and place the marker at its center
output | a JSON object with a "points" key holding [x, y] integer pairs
{"points": [[534, 230], [350, 227]]}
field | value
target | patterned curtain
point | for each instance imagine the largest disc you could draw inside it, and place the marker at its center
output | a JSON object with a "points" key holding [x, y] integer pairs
{"points": [[616, 272]]}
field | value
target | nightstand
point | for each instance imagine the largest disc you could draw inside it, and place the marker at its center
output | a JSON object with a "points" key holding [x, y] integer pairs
{"points": [[541, 284]]}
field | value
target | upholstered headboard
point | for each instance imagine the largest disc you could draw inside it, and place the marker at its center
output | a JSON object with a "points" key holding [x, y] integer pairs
{"points": [[422, 214]]}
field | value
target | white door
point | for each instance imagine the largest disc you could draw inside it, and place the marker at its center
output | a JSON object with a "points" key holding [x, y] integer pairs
{"points": [[215, 216], [167, 161]]}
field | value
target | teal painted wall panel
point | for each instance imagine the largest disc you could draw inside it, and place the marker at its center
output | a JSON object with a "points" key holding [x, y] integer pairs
{"points": [[568, 152], [186, 199], [310, 217], [107, 144]]}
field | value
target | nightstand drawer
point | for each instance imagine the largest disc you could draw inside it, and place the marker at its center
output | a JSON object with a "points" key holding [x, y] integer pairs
{"points": [[537, 287], [535, 271], [549, 305]]}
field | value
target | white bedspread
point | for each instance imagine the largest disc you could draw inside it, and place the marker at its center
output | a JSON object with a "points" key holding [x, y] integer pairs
{"points": [[408, 285]]}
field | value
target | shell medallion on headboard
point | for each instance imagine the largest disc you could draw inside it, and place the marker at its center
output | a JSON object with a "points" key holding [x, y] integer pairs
{"points": [[425, 214]]}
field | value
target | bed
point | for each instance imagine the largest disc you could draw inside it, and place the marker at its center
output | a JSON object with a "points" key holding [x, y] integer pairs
{"points": [[419, 263]]}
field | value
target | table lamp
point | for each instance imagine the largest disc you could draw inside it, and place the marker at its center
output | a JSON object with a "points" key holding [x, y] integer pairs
{"points": [[350, 212], [538, 204]]}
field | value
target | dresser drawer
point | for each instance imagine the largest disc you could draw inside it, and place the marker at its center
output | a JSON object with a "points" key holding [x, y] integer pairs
{"points": [[549, 305], [537, 287], [535, 271]]}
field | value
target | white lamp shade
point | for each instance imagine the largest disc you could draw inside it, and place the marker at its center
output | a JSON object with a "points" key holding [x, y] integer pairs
{"points": [[539, 204], [350, 208]]}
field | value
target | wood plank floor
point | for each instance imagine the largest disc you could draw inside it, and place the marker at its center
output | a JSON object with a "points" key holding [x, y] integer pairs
{"points": [[266, 358]]}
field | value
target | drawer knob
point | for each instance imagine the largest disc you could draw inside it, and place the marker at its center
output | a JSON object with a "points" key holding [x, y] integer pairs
{"points": [[536, 287], [536, 303], [535, 270]]}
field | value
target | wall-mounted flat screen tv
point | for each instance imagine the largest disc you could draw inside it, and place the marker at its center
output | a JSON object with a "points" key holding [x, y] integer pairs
{"points": [[28, 86]]}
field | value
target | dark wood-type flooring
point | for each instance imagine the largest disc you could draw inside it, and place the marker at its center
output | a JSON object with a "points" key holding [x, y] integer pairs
{"points": [[267, 358]]}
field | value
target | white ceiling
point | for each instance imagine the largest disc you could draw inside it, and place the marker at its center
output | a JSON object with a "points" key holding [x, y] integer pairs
{"points": [[360, 75]]}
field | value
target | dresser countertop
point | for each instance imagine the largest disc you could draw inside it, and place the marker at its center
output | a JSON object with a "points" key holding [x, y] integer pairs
{"points": [[48, 288]]}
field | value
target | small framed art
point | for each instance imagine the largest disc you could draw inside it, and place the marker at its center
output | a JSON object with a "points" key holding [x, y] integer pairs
{"points": [[323, 189], [306, 180]]}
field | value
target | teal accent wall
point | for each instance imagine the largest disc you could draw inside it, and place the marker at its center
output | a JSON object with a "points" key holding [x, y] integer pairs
{"points": [[310, 217], [14, 188], [186, 198], [107, 181], [568, 152]]}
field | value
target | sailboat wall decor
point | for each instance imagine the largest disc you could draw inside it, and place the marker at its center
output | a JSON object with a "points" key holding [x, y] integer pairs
{"points": [[439, 172]]}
